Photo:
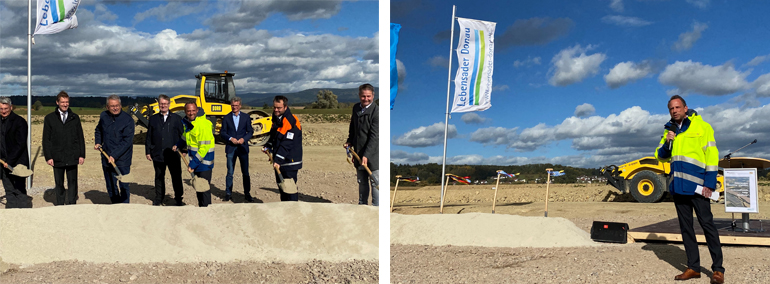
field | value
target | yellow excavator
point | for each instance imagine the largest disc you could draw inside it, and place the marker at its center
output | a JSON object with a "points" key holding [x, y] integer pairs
{"points": [[646, 178], [213, 93]]}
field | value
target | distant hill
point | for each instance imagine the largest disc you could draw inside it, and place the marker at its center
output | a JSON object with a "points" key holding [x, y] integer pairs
{"points": [[302, 97], [252, 99]]}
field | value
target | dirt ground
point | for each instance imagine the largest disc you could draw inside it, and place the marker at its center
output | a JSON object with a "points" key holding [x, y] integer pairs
{"points": [[581, 204], [326, 177]]}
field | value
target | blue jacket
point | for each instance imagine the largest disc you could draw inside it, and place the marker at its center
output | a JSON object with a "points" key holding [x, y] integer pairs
{"points": [[116, 135], [244, 131], [286, 141]]}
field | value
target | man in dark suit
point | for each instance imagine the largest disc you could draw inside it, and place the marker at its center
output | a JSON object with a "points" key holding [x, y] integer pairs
{"points": [[363, 136], [236, 131], [163, 132], [13, 150], [115, 134], [64, 148]]}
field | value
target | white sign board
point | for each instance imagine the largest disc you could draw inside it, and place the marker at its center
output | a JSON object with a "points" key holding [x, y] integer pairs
{"points": [[741, 191]]}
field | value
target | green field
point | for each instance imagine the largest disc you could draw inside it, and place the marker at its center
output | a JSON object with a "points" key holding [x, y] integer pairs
{"points": [[313, 111]]}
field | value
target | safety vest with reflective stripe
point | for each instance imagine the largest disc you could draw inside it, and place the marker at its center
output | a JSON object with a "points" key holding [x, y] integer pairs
{"points": [[200, 144], [694, 156]]}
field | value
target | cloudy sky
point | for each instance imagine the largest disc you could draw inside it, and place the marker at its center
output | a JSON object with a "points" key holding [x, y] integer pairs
{"points": [[136, 48], [584, 83]]}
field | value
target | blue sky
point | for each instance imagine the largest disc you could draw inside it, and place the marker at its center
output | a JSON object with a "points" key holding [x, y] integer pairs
{"points": [[147, 48], [584, 83]]}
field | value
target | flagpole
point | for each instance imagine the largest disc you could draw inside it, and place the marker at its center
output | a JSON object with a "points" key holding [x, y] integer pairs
{"points": [[448, 83], [29, 90]]}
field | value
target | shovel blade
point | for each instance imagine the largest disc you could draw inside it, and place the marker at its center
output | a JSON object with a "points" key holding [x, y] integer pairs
{"points": [[21, 171], [288, 186], [126, 178], [200, 185]]}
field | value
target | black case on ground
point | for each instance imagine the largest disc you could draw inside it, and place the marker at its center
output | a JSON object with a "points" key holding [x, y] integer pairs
{"points": [[609, 232]]}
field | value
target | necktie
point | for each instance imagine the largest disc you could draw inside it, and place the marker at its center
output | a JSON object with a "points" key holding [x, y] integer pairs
{"points": [[63, 117]]}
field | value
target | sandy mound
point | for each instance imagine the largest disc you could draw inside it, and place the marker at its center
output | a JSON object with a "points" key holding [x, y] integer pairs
{"points": [[486, 230], [290, 232]]}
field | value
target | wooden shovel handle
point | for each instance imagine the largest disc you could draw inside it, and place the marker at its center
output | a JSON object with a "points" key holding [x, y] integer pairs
{"points": [[4, 163], [183, 158], [359, 160], [108, 157]]}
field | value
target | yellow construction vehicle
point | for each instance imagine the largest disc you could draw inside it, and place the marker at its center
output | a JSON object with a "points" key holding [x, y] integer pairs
{"points": [[646, 178], [213, 93]]}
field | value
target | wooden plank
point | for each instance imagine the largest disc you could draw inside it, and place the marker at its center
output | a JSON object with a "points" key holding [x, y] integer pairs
{"points": [[668, 231]]}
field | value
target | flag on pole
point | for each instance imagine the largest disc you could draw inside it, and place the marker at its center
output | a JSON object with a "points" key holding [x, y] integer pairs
{"points": [[394, 29], [557, 174], [475, 57], [54, 16], [410, 179], [507, 174], [463, 180]]}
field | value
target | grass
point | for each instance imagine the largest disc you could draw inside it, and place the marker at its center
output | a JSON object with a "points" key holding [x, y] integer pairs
{"points": [[314, 111], [22, 111]]}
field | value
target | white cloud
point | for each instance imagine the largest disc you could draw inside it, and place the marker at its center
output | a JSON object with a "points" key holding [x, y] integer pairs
{"points": [[425, 136], [584, 110], [438, 61], [401, 69], [500, 88], [757, 60], [686, 40], [494, 136], [572, 65], [762, 85], [527, 62], [168, 12], [616, 5], [473, 118], [402, 157], [248, 14], [695, 77], [703, 4], [625, 21], [626, 72]]}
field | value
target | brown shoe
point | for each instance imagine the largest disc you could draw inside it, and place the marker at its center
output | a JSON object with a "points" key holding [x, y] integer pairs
{"points": [[689, 273], [718, 278]]}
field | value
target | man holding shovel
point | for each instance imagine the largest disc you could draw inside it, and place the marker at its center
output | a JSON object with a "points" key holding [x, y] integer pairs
{"points": [[363, 135], [114, 136], [64, 148], [164, 131], [285, 144], [13, 152], [199, 141]]}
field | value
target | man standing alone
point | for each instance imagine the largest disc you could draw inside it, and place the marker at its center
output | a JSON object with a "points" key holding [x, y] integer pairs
{"points": [[363, 135], [115, 135], [236, 131], [688, 144], [64, 148], [164, 131], [13, 150]]}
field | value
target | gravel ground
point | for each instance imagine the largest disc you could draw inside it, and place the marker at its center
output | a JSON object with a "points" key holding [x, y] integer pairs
{"points": [[204, 272]]}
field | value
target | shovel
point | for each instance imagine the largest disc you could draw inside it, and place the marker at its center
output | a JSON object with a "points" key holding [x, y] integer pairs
{"points": [[374, 178], [288, 186], [122, 178], [18, 170], [200, 185]]}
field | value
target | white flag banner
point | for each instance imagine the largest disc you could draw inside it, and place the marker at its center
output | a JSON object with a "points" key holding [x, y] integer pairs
{"points": [[54, 16], [475, 56]]}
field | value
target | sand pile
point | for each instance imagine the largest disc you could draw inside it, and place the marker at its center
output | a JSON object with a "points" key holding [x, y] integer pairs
{"points": [[486, 230], [291, 232]]}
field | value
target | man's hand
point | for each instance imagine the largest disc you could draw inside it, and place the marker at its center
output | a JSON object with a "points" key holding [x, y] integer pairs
{"points": [[364, 161], [233, 140], [97, 146], [50, 162], [670, 136], [149, 158], [111, 160], [81, 160], [240, 141], [707, 192], [277, 166], [189, 169], [346, 145]]}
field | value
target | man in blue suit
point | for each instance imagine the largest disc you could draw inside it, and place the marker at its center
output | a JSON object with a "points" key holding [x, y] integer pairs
{"points": [[236, 131]]}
